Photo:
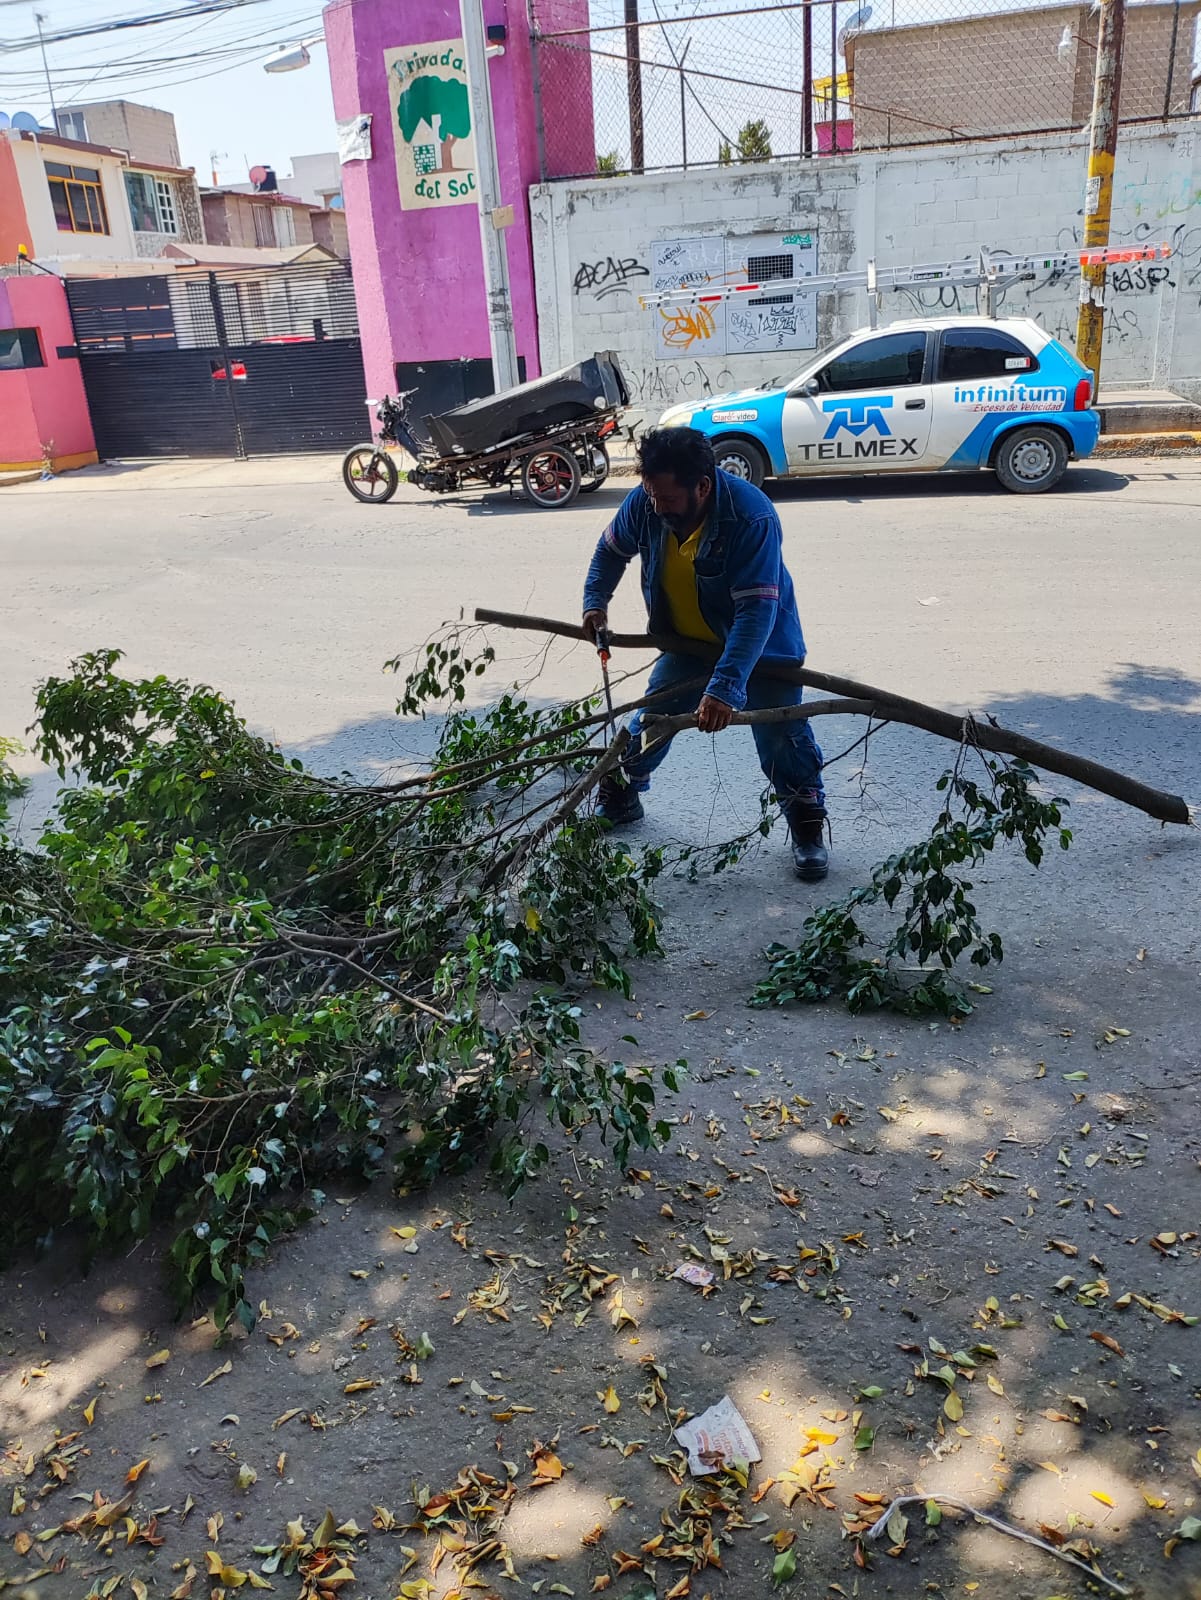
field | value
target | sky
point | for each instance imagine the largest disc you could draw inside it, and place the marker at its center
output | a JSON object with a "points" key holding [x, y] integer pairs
{"points": [[231, 105]]}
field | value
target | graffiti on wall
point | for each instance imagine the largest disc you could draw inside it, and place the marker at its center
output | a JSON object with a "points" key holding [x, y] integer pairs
{"points": [[609, 276], [758, 324]]}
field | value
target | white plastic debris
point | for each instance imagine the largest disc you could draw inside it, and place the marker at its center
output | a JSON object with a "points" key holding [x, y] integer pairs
{"points": [[699, 1277], [715, 1437]]}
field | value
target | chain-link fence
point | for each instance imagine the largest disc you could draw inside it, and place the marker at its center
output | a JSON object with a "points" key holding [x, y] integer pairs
{"points": [[697, 83]]}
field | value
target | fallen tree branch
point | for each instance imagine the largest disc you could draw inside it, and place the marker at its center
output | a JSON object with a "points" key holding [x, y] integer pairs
{"points": [[984, 733], [880, 1525], [507, 863]]}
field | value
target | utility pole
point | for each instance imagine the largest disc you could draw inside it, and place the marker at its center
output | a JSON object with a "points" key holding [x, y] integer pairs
{"points": [[684, 102], [1098, 192], [39, 19], [634, 86], [807, 78], [494, 217]]}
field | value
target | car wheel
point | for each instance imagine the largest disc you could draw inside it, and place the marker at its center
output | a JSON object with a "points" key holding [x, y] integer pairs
{"points": [[1030, 460], [741, 459]]}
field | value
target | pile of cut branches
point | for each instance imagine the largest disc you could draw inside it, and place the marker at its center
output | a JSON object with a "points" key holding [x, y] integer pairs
{"points": [[224, 980]]}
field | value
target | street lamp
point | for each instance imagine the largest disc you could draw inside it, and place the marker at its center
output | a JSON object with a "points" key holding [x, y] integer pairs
{"points": [[291, 57]]}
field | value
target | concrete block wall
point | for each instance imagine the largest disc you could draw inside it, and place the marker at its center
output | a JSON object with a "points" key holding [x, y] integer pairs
{"points": [[901, 207]]}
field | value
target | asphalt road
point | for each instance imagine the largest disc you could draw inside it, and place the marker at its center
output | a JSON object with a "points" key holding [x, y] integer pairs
{"points": [[1072, 616]]}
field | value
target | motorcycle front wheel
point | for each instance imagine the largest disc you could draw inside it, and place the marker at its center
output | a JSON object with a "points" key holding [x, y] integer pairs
{"points": [[370, 474]]}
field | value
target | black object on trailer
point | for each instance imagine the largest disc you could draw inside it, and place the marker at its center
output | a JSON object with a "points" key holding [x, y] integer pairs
{"points": [[548, 434]]}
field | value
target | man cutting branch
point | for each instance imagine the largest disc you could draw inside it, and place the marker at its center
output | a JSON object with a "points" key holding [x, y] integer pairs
{"points": [[710, 548]]}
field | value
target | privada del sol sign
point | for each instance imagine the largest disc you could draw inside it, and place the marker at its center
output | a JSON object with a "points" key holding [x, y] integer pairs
{"points": [[431, 121]]}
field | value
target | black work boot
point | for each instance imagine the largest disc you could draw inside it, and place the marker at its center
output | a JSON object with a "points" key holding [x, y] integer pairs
{"points": [[617, 803], [810, 859]]}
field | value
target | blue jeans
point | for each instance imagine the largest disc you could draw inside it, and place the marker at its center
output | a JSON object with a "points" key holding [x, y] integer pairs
{"points": [[788, 752]]}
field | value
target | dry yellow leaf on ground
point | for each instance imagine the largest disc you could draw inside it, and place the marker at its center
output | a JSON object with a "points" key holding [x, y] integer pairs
{"points": [[158, 1359], [611, 1400], [136, 1471], [220, 1372], [1099, 1494], [89, 1411]]}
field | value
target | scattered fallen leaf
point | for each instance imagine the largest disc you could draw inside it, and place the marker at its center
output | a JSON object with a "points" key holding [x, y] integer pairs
{"points": [[89, 1411], [136, 1471], [361, 1386], [158, 1359], [1099, 1494], [220, 1372], [610, 1400], [1110, 1344], [784, 1566], [953, 1406]]}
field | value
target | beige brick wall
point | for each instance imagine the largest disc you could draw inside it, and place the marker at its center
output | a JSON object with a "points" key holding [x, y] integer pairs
{"points": [[329, 229], [1003, 73], [147, 133]]}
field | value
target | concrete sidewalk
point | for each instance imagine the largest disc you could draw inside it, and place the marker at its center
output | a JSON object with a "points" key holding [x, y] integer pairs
{"points": [[263, 472]]}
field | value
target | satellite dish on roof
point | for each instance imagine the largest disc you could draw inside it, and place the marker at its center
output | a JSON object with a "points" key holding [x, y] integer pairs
{"points": [[26, 122], [853, 24], [257, 174], [5, 120]]}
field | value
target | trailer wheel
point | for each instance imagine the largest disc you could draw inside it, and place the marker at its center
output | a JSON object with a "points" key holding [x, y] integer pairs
{"points": [[551, 478], [596, 469]]}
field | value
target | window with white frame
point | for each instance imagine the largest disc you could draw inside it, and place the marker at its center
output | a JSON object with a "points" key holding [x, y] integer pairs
{"points": [[152, 207], [285, 227], [168, 216]]}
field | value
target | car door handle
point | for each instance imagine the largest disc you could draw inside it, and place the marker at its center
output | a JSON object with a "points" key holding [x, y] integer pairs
{"points": [[915, 405]]}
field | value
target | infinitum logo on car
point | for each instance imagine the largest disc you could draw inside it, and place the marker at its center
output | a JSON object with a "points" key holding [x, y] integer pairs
{"points": [[1011, 397], [857, 416]]}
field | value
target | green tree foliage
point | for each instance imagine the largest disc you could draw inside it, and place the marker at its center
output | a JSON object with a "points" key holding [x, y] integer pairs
{"points": [[752, 144], [225, 981], [938, 923], [430, 99]]}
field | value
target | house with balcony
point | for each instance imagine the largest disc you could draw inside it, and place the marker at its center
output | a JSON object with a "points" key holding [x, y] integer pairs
{"points": [[73, 205]]}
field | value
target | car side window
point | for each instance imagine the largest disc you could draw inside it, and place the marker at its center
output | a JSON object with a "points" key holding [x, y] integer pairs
{"points": [[891, 361], [982, 353]]}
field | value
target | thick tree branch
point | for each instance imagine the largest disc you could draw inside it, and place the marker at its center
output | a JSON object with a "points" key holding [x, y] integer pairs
{"points": [[986, 734]]}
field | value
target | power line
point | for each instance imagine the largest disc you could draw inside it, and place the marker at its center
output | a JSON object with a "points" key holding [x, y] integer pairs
{"points": [[121, 24], [78, 75]]}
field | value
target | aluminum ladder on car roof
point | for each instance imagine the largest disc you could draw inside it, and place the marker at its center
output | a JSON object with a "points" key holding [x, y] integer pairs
{"points": [[992, 269]]}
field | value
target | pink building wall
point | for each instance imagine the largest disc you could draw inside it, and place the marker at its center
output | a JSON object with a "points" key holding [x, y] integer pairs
{"points": [[419, 274], [43, 406]]}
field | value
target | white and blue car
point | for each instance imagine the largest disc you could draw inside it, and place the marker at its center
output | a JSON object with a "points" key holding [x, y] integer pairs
{"points": [[960, 394]]}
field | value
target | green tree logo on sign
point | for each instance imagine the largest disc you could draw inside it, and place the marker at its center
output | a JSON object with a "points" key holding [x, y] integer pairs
{"points": [[441, 104]]}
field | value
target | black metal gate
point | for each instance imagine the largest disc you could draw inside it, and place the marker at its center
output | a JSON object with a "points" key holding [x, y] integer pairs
{"points": [[260, 361]]}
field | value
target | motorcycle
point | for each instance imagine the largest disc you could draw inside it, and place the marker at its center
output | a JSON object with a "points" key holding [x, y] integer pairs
{"points": [[552, 440]]}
